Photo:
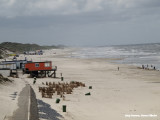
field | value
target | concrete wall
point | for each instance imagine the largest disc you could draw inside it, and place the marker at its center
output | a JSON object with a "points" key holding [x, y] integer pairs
{"points": [[5, 73]]}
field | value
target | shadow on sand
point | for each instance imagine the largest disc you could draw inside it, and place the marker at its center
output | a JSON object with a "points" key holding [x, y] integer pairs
{"points": [[46, 112], [13, 96], [153, 82]]}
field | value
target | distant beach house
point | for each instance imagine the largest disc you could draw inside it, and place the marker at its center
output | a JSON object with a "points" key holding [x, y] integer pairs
{"points": [[8, 66], [11, 67], [19, 63], [37, 52]]}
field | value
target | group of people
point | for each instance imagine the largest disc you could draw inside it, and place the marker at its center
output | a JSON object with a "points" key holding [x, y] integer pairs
{"points": [[148, 67]]}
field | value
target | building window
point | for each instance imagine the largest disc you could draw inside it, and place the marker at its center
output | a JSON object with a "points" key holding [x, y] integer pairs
{"points": [[36, 64], [47, 65]]}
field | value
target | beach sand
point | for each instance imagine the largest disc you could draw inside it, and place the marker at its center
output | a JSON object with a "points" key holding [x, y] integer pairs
{"points": [[130, 91], [127, 94], [9, 93]]}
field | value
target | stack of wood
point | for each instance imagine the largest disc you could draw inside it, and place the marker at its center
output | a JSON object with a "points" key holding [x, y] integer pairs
{"points": [[59, 88]]}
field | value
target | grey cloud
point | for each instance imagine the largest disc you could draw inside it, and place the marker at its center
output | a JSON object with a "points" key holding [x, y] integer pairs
{"points": [[34, 13], [15, 8], [76, 22]]}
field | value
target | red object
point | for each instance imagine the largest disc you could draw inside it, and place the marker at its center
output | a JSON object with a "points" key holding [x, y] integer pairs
{"points": [[38, 66]]}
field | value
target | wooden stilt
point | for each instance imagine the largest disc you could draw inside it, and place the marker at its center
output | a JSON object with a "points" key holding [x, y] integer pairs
{"points": [[10, 72], [54, 74], [45, 73], [41, 74]]}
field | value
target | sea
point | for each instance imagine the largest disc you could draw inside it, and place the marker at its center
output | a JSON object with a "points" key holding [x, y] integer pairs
{"points": [[137, 55]]}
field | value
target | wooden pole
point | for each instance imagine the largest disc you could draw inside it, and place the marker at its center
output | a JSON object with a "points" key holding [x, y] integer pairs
{"points": [[10, 72], [54, 74], [41, 74], [45, 73]]}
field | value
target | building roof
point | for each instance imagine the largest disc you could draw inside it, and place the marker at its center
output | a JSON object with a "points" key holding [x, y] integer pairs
{"points": [[16, 61], [40, 62]]}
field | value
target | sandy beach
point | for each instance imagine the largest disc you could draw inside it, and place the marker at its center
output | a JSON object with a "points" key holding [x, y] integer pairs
{"points": [[79, 60], [127, 94]]}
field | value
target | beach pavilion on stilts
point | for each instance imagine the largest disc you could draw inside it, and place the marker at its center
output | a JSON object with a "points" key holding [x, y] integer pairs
{"points": [[40, 69]]}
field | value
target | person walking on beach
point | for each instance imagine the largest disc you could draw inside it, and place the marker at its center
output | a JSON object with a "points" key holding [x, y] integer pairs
{"points": [[154, 68], [34, 80], [118, 68]]}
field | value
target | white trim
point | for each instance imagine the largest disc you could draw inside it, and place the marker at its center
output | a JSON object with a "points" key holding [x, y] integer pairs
{"points": [[47, 64]]}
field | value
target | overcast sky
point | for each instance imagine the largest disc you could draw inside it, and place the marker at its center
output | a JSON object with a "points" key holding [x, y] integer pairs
{"points": [[80, 22]]}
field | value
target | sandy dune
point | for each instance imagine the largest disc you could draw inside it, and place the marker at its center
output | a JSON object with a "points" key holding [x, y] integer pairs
{"points": [[9, 93]]}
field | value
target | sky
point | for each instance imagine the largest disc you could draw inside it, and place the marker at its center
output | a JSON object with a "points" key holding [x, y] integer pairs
{"points": [[80, 22]]}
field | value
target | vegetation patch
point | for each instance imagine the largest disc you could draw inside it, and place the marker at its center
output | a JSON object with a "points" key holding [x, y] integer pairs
{"points": [[3, 79], [17, 48]]}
